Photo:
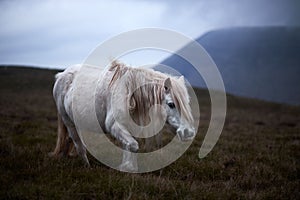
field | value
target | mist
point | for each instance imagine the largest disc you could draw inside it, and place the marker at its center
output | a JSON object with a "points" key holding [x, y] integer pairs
{"points": [[60, 33]]}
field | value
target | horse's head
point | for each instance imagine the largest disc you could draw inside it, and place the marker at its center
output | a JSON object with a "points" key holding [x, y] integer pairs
{"points": [[176, 104]]}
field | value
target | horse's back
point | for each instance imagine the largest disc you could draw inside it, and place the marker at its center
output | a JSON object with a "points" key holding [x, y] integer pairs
{"points": [[63, 80], [76, 86]]}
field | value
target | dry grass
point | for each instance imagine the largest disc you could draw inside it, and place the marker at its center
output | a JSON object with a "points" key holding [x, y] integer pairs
{"points": [[257, 155]]}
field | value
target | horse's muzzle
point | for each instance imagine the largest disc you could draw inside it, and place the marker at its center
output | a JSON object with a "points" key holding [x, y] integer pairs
{"points": [[186, 134]]}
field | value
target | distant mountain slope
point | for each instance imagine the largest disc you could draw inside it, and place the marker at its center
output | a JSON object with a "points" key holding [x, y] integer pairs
{"points": [[256, 62]]}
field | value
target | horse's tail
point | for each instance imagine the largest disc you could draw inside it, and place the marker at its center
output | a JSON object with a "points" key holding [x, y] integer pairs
{"points": [[58, 75], [64, 144]]}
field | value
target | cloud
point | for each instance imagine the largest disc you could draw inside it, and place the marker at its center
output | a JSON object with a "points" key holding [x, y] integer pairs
{"points": [[57, 29], [59, 33]]}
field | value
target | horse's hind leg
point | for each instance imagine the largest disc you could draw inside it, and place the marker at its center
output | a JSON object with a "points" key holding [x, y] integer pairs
{"points": [[63, 142], [80, 148], [72, 150]]}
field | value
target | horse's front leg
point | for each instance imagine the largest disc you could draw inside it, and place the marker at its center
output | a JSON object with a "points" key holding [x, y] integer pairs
{"points": [[130, 145]]}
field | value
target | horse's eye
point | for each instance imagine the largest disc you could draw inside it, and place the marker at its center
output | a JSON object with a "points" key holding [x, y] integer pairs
{"points": [[171, 105]]}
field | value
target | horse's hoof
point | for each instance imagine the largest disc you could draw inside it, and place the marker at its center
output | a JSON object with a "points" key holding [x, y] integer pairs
{"points": [[128, 167], [87, 165], [51, 154], [134, 147], [54, 155]]}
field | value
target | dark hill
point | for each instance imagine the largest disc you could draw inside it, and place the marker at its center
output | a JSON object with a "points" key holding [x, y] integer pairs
{"points": [[261, 63]]}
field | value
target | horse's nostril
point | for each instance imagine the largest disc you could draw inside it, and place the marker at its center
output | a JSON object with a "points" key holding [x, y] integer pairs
{"points": [[186, 133], [179, 132], [189, 133], [192, 133]]}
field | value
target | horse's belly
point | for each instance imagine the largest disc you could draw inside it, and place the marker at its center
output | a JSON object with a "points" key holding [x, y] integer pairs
{"points": [[83, 99]]}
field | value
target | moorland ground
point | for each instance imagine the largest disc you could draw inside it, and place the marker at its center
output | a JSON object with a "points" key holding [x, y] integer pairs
{"points": [[257, 155]]}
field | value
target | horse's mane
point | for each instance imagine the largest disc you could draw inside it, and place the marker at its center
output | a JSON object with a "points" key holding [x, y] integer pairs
{"points": [[150, 90]]}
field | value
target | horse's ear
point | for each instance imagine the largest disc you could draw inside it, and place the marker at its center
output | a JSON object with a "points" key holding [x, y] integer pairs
{"points": [[167, 85], [181, 78]]}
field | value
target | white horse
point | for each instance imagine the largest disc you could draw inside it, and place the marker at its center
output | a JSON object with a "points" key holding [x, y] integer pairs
{"points": [[138, 90]]}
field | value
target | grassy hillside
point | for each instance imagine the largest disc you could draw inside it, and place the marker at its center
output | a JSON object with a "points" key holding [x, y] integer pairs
{"points": [[256, 62], [257, 156]]}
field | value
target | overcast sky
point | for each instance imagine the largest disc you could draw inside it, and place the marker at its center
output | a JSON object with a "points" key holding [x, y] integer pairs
{"points": [[60, 33]]}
